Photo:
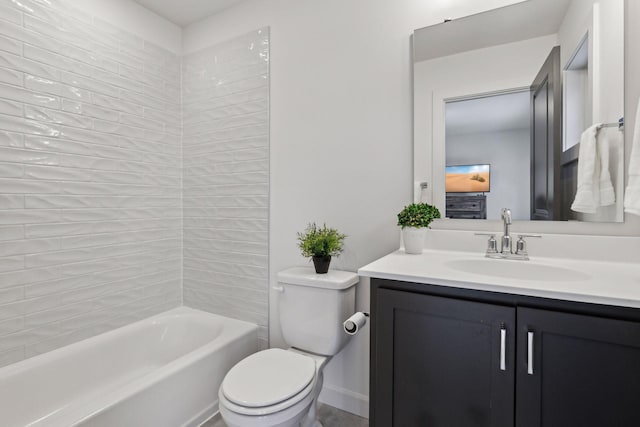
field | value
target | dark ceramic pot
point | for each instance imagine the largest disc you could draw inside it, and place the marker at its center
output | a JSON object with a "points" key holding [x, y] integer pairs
{"points": [[322, 263]]}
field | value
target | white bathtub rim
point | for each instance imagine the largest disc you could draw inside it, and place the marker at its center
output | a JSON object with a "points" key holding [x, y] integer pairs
{"points": [[93, 406], [77, 413], [29, 363]]}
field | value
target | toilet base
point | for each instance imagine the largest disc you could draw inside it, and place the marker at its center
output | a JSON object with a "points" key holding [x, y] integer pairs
{"points": [[311, 419]]}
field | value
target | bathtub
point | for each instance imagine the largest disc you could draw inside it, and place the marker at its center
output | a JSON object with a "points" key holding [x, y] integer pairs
{"points": [[163, 371]]}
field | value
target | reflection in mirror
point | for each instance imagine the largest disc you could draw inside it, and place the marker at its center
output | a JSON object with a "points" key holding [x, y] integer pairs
{"points": [[515, 91], [500, 124]]}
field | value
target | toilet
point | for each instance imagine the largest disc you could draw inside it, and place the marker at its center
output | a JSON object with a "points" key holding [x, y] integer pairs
{"points": [[280, 388]]}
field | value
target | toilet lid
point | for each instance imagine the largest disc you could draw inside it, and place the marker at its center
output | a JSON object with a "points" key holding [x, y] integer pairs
{"points": [[268, 377]]}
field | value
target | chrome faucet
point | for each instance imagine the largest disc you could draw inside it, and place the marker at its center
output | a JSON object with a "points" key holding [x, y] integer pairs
{"points": [[506, 249], [506, 237]]}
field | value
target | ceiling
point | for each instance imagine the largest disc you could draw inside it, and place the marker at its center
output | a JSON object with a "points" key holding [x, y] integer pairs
{"points": [[489, 114], [521, 21], [185, 12]]}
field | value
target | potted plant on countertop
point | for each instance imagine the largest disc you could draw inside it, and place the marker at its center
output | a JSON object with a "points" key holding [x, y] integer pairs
{"points": [[414, 220], [320, 244]]}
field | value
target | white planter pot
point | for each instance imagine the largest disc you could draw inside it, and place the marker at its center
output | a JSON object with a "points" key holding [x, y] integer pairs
{"points": [[413, 239]]}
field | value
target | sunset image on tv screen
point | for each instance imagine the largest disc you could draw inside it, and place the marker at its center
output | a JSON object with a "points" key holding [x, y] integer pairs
{"points": [[467, 179]]}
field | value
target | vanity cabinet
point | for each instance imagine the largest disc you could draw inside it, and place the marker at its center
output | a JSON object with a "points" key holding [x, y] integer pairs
{"points": [[443, 357], [439, 361], [584, 370]]}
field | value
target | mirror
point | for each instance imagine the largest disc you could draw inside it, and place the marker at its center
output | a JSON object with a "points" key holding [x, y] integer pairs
{"points": [[502, 101]]}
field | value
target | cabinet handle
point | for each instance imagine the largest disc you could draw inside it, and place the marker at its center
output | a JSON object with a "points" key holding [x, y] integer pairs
{"points": [[503, 348], [530, 352]]}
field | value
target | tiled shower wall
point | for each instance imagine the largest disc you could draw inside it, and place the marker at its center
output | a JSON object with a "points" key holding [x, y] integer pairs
{"points": [[226, 178], [90, 177]]}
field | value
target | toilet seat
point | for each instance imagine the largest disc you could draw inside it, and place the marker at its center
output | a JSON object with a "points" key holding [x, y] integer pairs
{"points": [[268, 381]]}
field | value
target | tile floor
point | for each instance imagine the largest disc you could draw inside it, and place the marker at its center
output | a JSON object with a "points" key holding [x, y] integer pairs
{"points": [[329, 417]]}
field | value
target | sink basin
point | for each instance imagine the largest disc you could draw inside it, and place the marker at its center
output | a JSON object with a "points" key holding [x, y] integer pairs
{"points": [[521, 270]]}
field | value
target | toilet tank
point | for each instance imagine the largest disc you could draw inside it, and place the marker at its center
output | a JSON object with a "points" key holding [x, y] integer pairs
{"points": [[312, 308]]}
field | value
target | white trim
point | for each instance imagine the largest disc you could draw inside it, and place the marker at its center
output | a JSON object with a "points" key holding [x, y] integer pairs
{"points": [[346, 400]]}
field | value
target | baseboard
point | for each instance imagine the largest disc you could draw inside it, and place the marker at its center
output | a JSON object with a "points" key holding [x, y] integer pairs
{"points": [[346, 400]]}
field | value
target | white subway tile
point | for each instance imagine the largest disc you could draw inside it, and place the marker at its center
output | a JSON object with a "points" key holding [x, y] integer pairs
{"points": [[226, 235], [11, 263], [116, 104], [11, 154], [58, 61], [22, 95], [118, 129], [21, 186], [9, 326], [28, 216], [11, 201], [40, 84], [11, 14], [88, 83], [226, 179], [227, 201], [91, 212], [23, 277], [11, 77], [13, 232], [116, 80], [22, 247], [18, 34], [11, 108], [141, 122], [8, 139], [53, 116], [89, 110], [11, 170], [142, 100], [19, 63], [12, 46]]}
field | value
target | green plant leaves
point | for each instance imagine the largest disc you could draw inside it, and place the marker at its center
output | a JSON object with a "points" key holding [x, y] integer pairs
{"points": [[316, 241], [418, 215]]}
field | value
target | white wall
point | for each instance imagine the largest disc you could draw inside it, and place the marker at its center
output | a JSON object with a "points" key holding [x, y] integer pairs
{"points": [[90, 177], [341, 133], [602, 19], [225, 106], [509, 154], [129, 15], [605, 89]]}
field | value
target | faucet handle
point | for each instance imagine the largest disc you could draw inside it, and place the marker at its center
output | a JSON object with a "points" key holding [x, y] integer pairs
{"points": [[521, 245], [505, 213], [492, 244]]}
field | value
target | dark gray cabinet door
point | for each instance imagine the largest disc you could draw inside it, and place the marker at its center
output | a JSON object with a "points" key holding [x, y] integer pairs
{"points": [[438, 362], [584, 372]]}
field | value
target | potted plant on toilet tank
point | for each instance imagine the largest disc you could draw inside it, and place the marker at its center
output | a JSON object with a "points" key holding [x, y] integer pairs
{"points": [[414, 220], [320, 243]]}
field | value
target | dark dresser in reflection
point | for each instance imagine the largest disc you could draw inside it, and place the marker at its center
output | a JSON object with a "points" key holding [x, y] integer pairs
{"points": [[466, 206]]}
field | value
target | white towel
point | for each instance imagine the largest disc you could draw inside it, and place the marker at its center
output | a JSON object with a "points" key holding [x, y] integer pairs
{"points": [[606, 195], [632, 195], [588, 194]]}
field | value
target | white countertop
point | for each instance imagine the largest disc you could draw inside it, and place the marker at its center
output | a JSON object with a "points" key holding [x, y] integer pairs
{"points": [[611, 283]]}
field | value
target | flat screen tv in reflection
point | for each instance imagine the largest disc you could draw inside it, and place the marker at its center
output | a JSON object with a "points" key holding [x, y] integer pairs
{"points": [[467, 179]]}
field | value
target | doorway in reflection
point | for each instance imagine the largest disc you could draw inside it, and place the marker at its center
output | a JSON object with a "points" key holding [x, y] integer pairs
{"points": [[493, 130]]}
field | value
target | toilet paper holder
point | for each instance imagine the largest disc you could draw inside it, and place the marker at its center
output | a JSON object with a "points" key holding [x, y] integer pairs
{"points": [[353, 324]]}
